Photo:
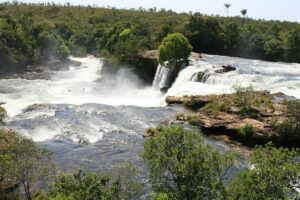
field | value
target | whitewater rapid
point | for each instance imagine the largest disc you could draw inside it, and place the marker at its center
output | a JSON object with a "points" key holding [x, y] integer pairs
{"points": [[85, 83], [271, 76], [79, 85]]}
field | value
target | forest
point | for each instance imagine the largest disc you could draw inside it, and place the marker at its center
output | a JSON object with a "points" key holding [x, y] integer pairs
{"points": [[32, 34]]}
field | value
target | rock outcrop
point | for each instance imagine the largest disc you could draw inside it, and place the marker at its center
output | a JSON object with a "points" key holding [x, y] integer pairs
{"points": [[229, 118]]}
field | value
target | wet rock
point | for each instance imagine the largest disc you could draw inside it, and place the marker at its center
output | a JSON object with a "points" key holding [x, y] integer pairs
{"points": [[225, 69], [201, 76], [189, 100], [35, 68]]}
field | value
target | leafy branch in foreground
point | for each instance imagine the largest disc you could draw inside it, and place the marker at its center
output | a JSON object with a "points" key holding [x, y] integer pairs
{"points": [[182, 166]]}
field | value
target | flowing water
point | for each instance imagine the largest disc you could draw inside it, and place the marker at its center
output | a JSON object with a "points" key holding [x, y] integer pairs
{"points": [[95, 122], [272, 76]]}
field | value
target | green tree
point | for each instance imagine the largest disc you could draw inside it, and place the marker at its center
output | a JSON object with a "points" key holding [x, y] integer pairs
{"points": [[244, 13], [274, 176], [291, 45], [227, 6], [174, 48], [183, 167], [22, 163]]}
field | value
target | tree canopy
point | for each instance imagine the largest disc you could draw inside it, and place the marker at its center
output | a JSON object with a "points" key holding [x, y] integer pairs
{"points": [[183, 167], [274, 176], [174, 47]]}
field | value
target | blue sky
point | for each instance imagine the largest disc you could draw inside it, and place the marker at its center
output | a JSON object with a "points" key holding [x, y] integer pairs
{"points": [[268, 9]]}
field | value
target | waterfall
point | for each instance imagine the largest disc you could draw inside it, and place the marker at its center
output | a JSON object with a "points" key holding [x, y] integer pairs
{"points": [[203, 77], [162, 77]]}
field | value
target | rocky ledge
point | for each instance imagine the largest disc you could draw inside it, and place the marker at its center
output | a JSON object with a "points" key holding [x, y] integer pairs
{"points": [[229, 114]]}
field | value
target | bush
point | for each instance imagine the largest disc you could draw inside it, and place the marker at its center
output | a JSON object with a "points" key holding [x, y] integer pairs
{"points": [[83, 185], [274, 176], [293, 108], [243, 98], [288, 132], [180, 117], [216, 107], [193, 120], [246, 133], [182, 166]]}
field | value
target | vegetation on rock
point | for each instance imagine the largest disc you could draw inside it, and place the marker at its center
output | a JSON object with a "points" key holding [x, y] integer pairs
{"points": [[174, 48], [252, 117]]}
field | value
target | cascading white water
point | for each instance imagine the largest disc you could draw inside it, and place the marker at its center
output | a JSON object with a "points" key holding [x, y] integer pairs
{"points": [[162, 77], [271, 76], [81, 84]]}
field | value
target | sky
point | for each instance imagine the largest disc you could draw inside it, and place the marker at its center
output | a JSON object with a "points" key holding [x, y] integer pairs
{"points": [[284, 10]]}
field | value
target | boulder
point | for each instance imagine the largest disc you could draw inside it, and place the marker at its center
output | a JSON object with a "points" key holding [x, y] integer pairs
{"points": [[225, 69]]}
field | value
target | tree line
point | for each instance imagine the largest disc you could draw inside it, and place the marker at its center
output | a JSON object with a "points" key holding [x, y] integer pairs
{"points": [[35, 33]]}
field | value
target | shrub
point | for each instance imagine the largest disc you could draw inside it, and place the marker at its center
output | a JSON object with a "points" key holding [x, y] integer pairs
{"points": [[293, 108], [246, 133], [288, 132], [243, 98], [193, 120], [83, 185], [216, 107], [180, 117]]}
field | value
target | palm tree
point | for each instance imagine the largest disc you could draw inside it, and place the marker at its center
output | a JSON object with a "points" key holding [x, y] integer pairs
{"points": [[244, 12], [227, 6]]}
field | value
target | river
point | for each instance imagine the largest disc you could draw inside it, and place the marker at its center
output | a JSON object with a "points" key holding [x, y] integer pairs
{"points": [[94, 122]]}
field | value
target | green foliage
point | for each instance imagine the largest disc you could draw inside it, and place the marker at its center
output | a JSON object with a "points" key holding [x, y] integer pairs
{"points": [[3, 114], [183, 167], [32, 33], [288, 131], [274, 176], [83, 185], [175, 47], [193, 120], [22, 162], [216, 107], [293, 108], [89, 185], [180, 117], [246, 133], [291, 46], [243, 98]]}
